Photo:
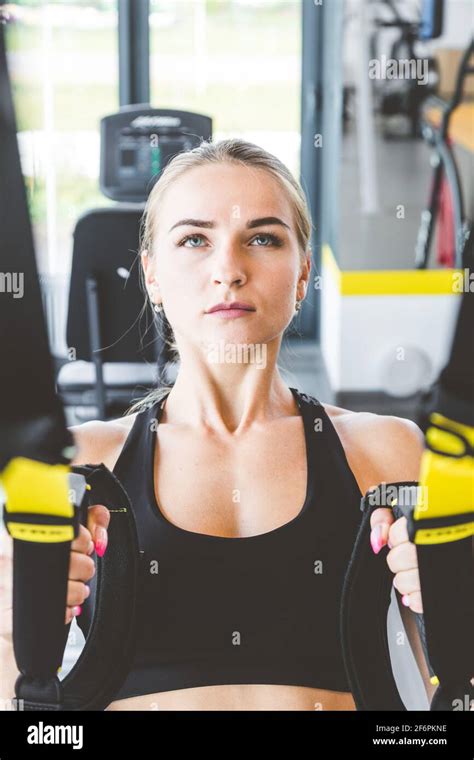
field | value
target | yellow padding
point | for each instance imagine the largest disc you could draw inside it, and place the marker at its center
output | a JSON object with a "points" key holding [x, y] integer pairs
{"points": [[377, 282], [443, 440], [46, 534], [37, 487], [466, 430], [449, 482]]}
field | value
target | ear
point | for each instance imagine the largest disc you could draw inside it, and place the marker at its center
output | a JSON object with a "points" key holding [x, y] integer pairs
{"points": [[304, 275], [145, 259], [150, 280]]}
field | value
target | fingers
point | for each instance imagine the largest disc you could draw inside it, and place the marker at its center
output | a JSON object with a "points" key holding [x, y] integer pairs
{"points": [[77, 593], [402, 560], [81, 567], [413, 601], [95, 535], [72, 612], [83, 542], [399, 532], [98, 519], [380, 522], [381, 515], [402, 557], [408, 584], [81, 564]]}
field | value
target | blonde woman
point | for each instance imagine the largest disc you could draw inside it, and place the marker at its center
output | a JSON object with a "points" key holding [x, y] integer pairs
{"points": [[246, 492]]}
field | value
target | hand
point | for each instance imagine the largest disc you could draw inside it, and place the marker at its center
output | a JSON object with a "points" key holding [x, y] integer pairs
{"points": [[402, 558], [81, 565]]}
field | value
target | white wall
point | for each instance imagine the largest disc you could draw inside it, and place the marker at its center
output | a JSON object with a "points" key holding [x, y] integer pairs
{"points": [[458, 24]]}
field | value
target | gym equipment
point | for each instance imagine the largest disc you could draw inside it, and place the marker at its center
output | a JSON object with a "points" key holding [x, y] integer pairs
{"points": [[138, 142], [445, 183], [404, 97], [440, 513], [46, 500], [114, 356], [405, 316], [110, 360]]}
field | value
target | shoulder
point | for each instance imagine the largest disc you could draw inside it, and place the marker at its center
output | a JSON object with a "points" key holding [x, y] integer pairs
{"points": [[378, 447], [98, 441]]}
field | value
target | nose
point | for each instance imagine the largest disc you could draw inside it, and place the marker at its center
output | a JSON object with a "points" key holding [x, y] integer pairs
{"points": [[228, 267]]}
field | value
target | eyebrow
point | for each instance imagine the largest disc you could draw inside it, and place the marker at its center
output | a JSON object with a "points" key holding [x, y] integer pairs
{"points": [[251, 224]]}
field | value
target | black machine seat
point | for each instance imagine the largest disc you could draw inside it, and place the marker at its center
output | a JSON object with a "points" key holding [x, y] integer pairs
{"points": [[116, 351]]}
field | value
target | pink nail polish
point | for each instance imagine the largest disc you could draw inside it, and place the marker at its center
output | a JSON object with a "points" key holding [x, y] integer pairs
{"points": [[101, 542], [100, 548], [376, 539]]}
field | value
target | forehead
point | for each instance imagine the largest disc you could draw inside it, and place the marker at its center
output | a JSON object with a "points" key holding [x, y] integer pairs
{"points": [[223, 192]]}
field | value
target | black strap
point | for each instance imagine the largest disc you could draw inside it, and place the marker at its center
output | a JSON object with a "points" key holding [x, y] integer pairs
{"points": [[22, 322], [363, 622], [447, 580]]}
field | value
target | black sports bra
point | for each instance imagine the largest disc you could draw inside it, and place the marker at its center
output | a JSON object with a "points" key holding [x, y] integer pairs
{"points": [[262, 609]]}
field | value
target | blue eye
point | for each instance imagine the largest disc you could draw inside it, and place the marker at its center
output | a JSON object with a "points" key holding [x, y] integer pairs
{"points": [[275, 240], [190, 237]]}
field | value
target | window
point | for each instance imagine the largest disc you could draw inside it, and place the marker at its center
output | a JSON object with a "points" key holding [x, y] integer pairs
{"points": [[238, 61], [63, 62]]}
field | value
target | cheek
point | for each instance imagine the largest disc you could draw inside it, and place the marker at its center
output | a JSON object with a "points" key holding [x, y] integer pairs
{"points": [[176, 280], [281, 284]]}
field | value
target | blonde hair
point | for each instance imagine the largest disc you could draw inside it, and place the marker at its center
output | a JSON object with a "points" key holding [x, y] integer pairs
{"points": [[228, 151]]}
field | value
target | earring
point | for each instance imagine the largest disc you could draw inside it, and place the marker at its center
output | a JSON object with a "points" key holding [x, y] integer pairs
{"points": [[158, 307], [297, 305]]}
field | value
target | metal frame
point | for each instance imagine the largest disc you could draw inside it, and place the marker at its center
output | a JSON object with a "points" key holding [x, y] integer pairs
{"points": [[134, 51], [444, 164], [321, 114]]}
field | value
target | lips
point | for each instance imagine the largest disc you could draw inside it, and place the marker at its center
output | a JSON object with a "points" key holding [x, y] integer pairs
{"points": [[235, 305]]}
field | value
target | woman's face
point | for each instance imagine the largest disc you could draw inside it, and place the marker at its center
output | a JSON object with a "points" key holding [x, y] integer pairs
{"points": [[209, 248]]}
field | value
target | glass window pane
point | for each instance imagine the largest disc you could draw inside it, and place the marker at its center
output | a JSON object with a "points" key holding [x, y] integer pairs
{"points": [[63, 62], [238, 61]]}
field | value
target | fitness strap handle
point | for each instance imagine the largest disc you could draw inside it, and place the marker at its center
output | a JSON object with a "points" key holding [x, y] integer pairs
{"points": [[40, 572], [363, 621], [108, 653], [446, 625]]}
